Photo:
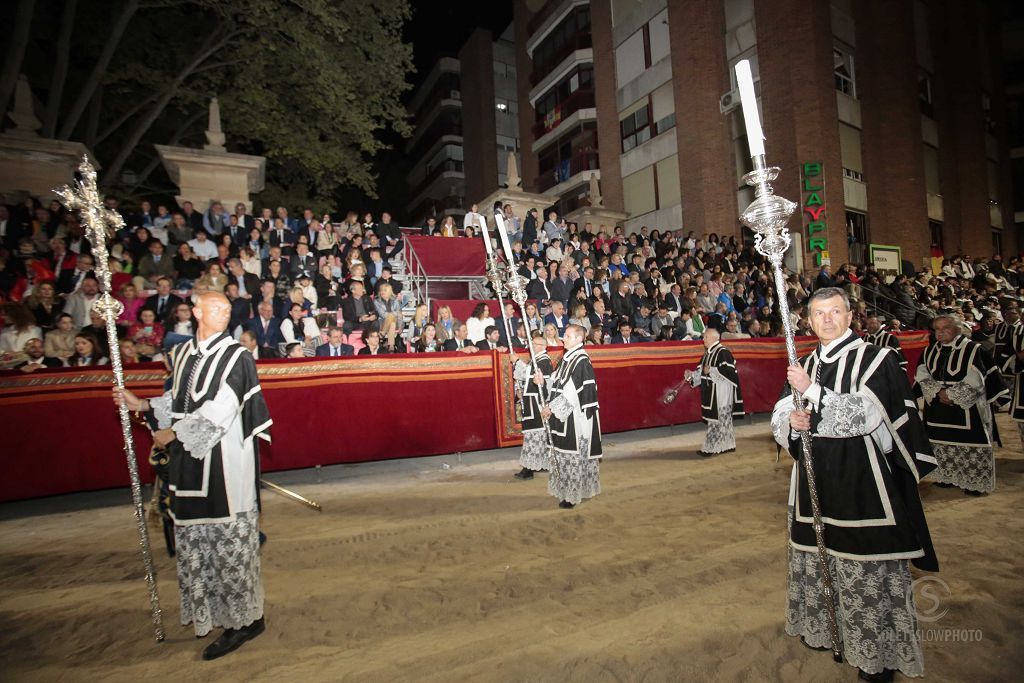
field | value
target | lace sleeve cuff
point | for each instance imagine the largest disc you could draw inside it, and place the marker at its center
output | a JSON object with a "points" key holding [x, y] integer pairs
{"points": [[963, 395], [161, 407], [560, 407], [781, 429], [521, 372], [845, 415], [929, 389], [198, 435]]}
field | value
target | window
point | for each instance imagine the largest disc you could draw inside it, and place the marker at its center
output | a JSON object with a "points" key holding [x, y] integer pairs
{"points": [[857, 235], [924, 90], [636, 127], [842, 64], [935, 228], [849, 142], [572, 34], [505, 106]]}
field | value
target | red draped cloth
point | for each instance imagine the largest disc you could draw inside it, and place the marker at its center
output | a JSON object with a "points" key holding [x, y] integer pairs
{"points": [[61, 432], [447, 256]]}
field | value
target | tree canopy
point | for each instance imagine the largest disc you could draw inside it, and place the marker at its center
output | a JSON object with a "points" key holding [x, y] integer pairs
{"points": [[313, 86]]}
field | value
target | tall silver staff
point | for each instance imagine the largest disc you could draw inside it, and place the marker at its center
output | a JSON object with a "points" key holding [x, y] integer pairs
{"points": [[516, 285], [767, 216], [84, 197]]}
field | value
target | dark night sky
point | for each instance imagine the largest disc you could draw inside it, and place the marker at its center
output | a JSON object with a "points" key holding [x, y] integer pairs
{"points": [[440, 27]]}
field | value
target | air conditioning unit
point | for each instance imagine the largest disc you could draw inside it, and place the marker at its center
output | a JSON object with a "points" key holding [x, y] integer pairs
{"points": [[729, 101]]}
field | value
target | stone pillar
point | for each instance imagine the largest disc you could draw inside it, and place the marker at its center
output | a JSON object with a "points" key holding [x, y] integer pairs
{"points": [[707, 164], [523, 11], [798, 98], [887, 87], [609, 138], [479, 131]]}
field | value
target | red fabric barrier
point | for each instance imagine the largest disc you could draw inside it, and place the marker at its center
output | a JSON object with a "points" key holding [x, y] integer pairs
{"points": [[448, 256], [463, 308], [61, 433]]}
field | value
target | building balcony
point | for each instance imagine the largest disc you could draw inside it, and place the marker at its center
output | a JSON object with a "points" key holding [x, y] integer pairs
{"points": [[565, 68], [581, 41], [547, 18], [569, 173], [581, 99], [450, 169]]}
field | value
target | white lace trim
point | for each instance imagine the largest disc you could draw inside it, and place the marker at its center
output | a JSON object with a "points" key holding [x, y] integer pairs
{"points": [[161, 407], [720, 436], [198, 435], [560, 407], [963, 395], [972, 468], [929, 389], [842, 415]]}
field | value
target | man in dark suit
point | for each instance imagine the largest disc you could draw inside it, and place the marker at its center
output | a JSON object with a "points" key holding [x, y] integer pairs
{"points": [[460, 342], [248, 284], [357, 309], [622, 301], [71, 279], [241, 309], [390, 236], [585, 283], [155, 264], [561, 286], [557, 317], [674, 299], [248, 340], [625, 334], [265, 327], [192, 217], [375, 268], [302, 261], [36, 358], [163, 302], [238, 232], [281, 236], [491, 340], [334, 347], [599, 317]]}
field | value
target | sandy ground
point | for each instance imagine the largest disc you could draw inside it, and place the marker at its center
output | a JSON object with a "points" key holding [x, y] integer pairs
{"points": [[448, 569]]}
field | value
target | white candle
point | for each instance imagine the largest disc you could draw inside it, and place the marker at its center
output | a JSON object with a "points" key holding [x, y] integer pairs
{"points": [[487, 237], [745, 80], [500, 222]]}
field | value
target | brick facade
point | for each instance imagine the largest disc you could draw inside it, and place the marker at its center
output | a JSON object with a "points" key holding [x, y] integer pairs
{"points": [[707, 168], [478, 126], [528, 167], [609, 139]]}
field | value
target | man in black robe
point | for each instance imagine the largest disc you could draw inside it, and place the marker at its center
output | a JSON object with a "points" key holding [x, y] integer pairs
{"points": [[720, 397], [535, 455], [879, 336], [870, 451], [575, 423], [210, 423]]}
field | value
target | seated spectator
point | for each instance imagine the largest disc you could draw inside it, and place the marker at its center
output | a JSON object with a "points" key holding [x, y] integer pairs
{"points": [[87, 351], [79, 303], [357, 309], [460, 340], [389, 313], [625, 334], [146, 333], [307, 290], [163, 302], [446, 324], [59, 343], [129, 355], [595, 337], [294, 350], [188, 266], [334, 348], [202, 246], [427, 342], [36, 359], [180, 327], [44, 305], [478, 322], [551, 335], [447, 228], [132, 305], [538, 288], [213, 280], [491, 340], [298, 327], [732, 330], [643, 323], [371, 343], [580, 316], [557, 317], [19, 327], [249, 341], [327, 288], [153, 265], [663, 320], [420, 319]]}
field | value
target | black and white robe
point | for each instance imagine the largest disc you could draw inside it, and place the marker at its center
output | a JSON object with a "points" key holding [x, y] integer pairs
{"points": [[720, 397], [1017, 367], [575, 428], [217, 412], [1002, 352], [870, 451], [886, 339], [535, 454], [961, 433]]}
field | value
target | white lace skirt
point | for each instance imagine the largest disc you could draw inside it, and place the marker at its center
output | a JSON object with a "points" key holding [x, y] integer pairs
{"points": [[574, 478], [219, 573], [535, 451], [720, 436], [969, 467], [874, 608]]}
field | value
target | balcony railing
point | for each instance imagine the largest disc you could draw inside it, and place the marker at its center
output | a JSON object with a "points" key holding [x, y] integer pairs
{"points": [[581, 99], [541, 16], [578, 163], [581, 41], [451, 165]]}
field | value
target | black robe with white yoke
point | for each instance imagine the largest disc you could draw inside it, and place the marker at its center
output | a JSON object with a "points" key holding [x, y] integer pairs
{"points": [[524, 373], [721, 359], [575, 419], [218, 414], [870, 451], [887, 339]]}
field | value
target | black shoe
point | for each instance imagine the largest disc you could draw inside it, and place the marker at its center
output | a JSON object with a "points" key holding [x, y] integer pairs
{"points": [[566, 505], [705, 454], [973, 493], [884, 676], [806, 644], [524, 474], [942, 485], [263, 538], [232, 639]]}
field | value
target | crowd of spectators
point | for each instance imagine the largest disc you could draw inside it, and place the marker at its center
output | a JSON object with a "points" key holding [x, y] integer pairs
{"points": [[309, 286]]}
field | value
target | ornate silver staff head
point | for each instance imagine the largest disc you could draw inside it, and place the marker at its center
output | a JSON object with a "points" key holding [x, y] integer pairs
{"points": [[768, 214]]}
